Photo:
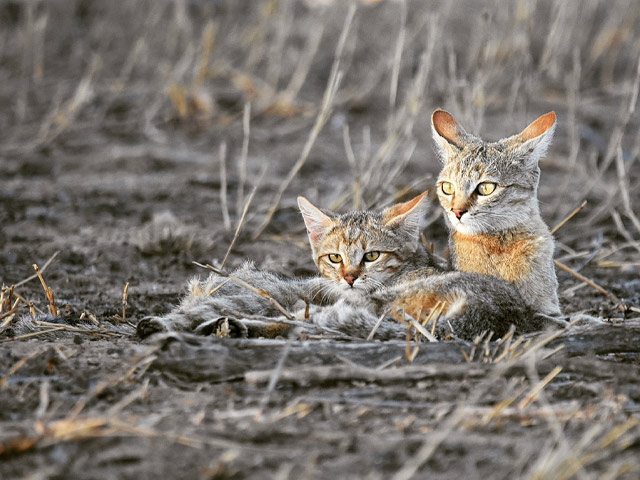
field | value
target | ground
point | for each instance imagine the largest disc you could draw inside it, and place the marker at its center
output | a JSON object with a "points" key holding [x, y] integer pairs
{"points": [[132, 137]]}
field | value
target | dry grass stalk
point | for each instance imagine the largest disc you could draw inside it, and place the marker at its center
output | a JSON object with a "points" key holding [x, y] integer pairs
{"points": [[27, 302], [124, 301], [260, 291], [100, 386], [30, 335], [428, 335], [17, 366], [397, 57], [376, 326], [240, 223], [303, 65], [333, 83], [591, 283], [623, 182], [242, 164], [47, 291], [208, 37], [215, 289], [2, 293], [353, 165], [5, 303], [570, 461], [7, 317], [381, 167], [273, 381], [62, 117], [69, 328], [410, 354], [223, 186], [569, 217], [128, 399], [526, 401], [530, 347], [84, 428], [623, 231], [321, 119]]}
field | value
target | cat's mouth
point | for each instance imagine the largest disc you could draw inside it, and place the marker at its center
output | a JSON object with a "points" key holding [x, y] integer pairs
{"points": [[464, 224], [356, 288]]}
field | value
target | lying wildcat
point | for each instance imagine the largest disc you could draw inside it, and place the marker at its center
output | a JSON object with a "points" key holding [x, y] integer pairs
{"points": [[489, 195], [372, 265]]}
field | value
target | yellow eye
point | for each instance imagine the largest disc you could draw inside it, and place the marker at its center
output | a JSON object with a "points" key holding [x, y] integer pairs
{"points": [[447, 188], [335, 258], [486, 188], [371, 256]]}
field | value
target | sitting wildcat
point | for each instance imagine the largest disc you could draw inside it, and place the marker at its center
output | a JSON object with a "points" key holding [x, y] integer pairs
{"points": [[488, 191], [372, 265]]}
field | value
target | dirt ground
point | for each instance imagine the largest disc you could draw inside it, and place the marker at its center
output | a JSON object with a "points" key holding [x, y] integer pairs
{"points": [[133, 135]]}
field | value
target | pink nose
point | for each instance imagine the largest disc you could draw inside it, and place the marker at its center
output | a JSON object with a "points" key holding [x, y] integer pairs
{"points": [[458, 212], [350, 279]]}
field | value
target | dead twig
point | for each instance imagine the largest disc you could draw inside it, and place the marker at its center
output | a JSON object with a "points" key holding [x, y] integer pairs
{"points": [[569, 217], [591, 283]]}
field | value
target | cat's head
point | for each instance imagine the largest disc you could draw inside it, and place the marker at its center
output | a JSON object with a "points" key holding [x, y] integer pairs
{"points": [[361, 250], [487, 187]]}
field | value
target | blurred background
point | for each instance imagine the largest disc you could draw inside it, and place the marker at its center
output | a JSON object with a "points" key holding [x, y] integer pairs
{"points": [[135, 134]]}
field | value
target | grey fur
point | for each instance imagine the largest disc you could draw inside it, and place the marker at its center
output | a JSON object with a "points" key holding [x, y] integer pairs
{"points": [[478, 302], [513, 209]]}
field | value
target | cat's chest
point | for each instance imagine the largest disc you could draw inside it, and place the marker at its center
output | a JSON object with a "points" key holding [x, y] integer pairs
{"points": [[508, 256]]}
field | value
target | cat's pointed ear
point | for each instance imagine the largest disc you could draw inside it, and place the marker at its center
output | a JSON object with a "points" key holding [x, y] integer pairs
{"points": [[318, 223], [447, 133], [407, 215], [534, 140]]}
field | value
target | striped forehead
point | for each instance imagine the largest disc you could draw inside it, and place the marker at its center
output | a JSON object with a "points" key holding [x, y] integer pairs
{"points": [[359, 228], [472, 161]]}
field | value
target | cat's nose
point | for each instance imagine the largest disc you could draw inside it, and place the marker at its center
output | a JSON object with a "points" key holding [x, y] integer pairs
{"points": [[458, 212], [350, 278]]}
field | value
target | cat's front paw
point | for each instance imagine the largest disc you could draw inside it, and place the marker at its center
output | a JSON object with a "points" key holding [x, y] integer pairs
{"points": [[225, 327], [150, 325]]}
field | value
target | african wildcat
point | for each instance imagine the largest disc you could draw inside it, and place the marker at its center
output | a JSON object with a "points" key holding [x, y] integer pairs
{"points": [[372, 264], [489, 194]]}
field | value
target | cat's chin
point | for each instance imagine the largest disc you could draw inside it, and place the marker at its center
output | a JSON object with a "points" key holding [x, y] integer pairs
{"points": [[353, 295], [465, 228]]}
